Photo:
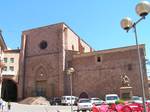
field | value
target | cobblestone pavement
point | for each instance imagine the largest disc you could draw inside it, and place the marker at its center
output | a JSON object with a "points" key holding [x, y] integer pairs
{"points": [[15, 107]]}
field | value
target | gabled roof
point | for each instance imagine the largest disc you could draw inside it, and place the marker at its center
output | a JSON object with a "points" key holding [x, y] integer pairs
{"points": [[2, 42]]}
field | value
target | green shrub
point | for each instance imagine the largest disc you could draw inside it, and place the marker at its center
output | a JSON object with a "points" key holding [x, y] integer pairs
{"points": [[120, 101]]}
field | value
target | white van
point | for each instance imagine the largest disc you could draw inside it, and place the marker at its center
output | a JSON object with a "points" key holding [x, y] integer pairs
{"points": [[66, 100], [111, 98]]}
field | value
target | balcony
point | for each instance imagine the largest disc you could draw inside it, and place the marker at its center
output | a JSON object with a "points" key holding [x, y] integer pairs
{"points": [[9, 73]]}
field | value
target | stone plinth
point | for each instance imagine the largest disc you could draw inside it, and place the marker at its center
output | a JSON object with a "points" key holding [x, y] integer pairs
{"points": [[126, 93]]}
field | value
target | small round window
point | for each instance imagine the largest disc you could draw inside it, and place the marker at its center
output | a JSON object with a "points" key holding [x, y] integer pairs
{"points": [[43, 44]]}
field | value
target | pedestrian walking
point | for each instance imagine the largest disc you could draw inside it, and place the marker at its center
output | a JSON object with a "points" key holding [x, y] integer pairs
{"points": [[3, 105], [1, 101], [8, 106]]}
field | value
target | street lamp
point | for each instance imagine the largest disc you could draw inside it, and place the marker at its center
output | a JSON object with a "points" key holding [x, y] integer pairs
{"points": [[142, 9], [70, 71]]}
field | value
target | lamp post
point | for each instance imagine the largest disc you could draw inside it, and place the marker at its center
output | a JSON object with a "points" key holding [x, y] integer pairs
{"points": [[70, 71], [142, 9]]}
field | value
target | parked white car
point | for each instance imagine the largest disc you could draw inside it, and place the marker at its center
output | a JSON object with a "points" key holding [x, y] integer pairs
{"points": [[137, 99], [66, 100], [84, 104], [96, 101], [111, 98]]}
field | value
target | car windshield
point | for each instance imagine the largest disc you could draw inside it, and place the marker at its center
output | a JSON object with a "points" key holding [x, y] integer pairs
{"points": [[84, 101], [112, 98], [95, 99], [68, 98], [136, 98]]}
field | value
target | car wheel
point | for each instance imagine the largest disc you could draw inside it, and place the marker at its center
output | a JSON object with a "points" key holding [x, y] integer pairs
{"points": [[83, 110]]}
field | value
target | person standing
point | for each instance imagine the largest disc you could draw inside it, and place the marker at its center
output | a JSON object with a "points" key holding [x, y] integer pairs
{"points": [[3, 105], [1, 102], [8, 106]]}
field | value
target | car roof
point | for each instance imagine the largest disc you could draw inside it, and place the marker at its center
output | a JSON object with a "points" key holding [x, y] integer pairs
{"points": [[111, 95], [94, 98], [84, 99]]}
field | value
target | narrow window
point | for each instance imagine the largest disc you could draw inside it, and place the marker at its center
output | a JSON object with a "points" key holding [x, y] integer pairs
{"points": [[73, 47], [129, 67], [98, 59]]}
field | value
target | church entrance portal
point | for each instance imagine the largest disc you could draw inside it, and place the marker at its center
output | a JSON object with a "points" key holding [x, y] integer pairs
{"points": [[40, 88], [83, 95], [9, 90]]}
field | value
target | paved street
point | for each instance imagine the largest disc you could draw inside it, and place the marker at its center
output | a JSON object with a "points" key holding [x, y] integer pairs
{"points": [[38, 108]]}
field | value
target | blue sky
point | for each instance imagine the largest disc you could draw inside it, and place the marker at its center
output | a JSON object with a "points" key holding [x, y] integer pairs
{"points": [[95, 21]]}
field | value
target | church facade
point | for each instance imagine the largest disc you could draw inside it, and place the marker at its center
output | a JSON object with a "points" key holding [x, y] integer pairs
{"points": [[48, 52]]}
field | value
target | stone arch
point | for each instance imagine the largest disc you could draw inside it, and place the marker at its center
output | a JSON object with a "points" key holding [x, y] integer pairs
{"points": [[46, 66], [83, 95], [40, 73], [9, 90]]}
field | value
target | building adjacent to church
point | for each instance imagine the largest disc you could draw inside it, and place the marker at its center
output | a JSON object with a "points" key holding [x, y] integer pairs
{"points": [[9, 61], [48, 52]]}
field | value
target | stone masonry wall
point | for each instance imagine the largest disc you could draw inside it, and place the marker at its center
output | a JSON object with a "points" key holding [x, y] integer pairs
{"points": [[100, 78], [43, 67]]}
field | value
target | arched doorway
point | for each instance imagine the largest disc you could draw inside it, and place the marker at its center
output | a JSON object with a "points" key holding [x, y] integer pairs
{"points": [[83, 95], [9, 90], [41, 88], [41, 82]]}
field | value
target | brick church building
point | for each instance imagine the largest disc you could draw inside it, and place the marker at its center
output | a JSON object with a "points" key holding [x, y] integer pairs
{"points": [[48, 52]]}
